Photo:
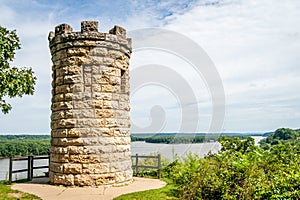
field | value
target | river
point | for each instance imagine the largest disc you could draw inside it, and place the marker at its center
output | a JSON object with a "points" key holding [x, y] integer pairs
{"points": [[169, 151]]}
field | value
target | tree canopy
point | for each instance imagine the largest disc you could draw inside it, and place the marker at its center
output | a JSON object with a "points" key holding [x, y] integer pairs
{"points": [[14, 81]]}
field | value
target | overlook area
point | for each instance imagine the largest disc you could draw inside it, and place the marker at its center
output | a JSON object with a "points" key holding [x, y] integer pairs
{"points": [[160, 99]]}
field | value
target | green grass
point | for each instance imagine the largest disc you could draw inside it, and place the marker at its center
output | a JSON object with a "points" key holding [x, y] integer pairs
{"points": [[166, 192], [6, 193]]}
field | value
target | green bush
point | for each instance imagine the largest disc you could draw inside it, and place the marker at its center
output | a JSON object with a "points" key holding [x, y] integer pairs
{"points": [[240, 170]]}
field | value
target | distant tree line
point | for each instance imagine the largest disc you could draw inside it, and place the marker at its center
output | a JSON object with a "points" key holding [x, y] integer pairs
{"points": [[179, 139], [24, 137], [281, 136], [23, 145]]}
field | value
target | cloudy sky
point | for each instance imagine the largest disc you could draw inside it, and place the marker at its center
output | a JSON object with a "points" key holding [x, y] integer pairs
{"points": [[254, 45]]}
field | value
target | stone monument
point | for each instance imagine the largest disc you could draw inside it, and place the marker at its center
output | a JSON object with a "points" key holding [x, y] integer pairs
{"points": [[90, 120]]}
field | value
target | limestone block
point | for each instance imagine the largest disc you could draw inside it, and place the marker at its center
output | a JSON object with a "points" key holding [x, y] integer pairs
{"points": [[59, 150], [98, 168], [104, 113], [96, 132], [109, 45], [104, 179], [74, 70], [116, 96], [124, 98], [112, 71], [57, 115], [63, 28], [120, 177], [106, 141], [121, 132], [62, 89], [122, 114], [80, 132], [56, 167], [113, 80], [89, 122], [111, 122], [94, 60], [102, 96], [71, 168], [107, 60], [124, 148], [122, 140], [90, 141], [115, 54], [118, 31], [128, 174], [108, 88], [124, 106], [110, 104], [98, 51], [120, 63], [69, 179], [83, 180], [58, 98], [83, 104], [83, 159], [123, 123], [65, 123], [59, 133], [125, 50], [77, 51], [62, 71], [59, 158], [85, 43], [70, 79], [60, 46], [77, 150], [100, 79], [58, 55], [72, 142]]}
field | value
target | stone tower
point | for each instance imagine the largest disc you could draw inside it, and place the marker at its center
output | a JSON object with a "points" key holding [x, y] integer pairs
{"points": [[90, 122]]}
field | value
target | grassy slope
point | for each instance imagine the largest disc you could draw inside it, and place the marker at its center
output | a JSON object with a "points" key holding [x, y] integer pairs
{"points": [[6, 193], [166, 192]]}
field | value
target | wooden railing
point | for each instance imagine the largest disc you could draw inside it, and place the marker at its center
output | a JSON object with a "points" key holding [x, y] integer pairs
{"points": [[30, 166], [136, 166]]}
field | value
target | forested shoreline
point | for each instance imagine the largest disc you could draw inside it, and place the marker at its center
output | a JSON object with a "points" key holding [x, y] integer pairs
{"points": [[23, 145]]}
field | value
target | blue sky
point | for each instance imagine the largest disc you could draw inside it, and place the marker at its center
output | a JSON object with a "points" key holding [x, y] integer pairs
{"points": [[254, 45]]}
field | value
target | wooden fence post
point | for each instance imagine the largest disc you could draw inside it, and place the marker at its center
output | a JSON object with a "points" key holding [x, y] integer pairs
{"points": [[136, 164], [28, 168], [10, 170], [159, 166], [31, 170]]}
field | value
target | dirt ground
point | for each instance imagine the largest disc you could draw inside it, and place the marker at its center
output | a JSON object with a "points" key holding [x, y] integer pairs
{"points": [[41, 188]]}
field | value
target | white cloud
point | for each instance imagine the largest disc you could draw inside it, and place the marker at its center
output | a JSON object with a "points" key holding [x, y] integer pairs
{"points": [[254, 45]]}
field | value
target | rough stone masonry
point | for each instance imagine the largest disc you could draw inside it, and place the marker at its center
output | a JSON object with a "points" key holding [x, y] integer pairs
{"points": [[90, 122]]}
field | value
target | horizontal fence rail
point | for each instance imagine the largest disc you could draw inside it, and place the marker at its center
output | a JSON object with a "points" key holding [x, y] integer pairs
{"points": [[31, 167], [136, 166]]}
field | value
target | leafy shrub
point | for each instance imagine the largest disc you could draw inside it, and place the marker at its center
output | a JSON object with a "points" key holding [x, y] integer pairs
{"points": [[240, 170]]}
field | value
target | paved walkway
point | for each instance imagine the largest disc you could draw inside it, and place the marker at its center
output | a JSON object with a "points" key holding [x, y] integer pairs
{"points": [[41, 188]]}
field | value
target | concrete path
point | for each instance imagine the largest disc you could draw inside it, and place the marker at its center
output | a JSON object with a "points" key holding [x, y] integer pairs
{"points": [[41, 188]]}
